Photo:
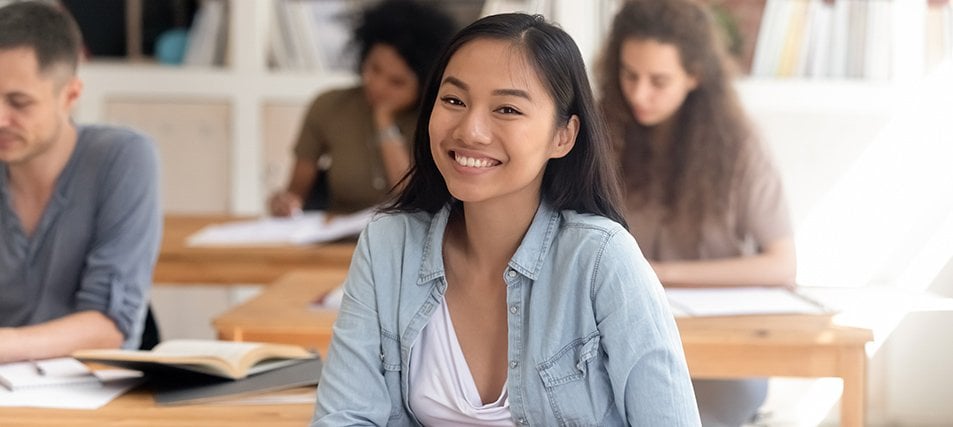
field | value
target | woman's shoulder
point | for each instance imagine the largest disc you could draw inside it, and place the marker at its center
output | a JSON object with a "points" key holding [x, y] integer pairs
{"points": [[386, 224], [336, 99], [591, 229]]}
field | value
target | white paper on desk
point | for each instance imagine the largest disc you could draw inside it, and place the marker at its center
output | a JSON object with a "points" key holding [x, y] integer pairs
{"points": [[114, 382], [58, 371], [310, 227], [330, 300], [689, 302]]}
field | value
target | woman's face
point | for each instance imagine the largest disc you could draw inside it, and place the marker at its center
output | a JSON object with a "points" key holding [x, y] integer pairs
{"points": [[652, 79], [493, 126], [388, 80]]}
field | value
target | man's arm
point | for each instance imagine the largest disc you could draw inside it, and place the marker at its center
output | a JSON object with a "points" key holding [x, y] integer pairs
{"points": [[86, 329]]}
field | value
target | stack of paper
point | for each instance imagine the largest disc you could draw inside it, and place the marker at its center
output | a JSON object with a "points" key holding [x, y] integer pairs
{"points": [[311, 227], [740, 301], [62, 383]]}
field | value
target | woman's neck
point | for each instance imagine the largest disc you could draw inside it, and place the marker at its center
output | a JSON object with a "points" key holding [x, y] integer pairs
{"points": [[489, 234], [662, 134]]}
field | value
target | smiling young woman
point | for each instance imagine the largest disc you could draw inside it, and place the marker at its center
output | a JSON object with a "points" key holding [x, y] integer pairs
{"points": [[501, 286]]}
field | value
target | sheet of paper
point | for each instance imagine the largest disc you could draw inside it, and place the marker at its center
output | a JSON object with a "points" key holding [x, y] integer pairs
{"points": [[330, 300], [307, 228], [114, 383], [57, 371], [739, 301]]}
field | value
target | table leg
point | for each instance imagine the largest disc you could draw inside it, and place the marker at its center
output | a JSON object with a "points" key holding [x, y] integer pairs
{"points": [[853, 403]]}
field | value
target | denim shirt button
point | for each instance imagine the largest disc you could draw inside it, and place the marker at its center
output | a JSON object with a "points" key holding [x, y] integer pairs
{"points": [[522, 420], [514, 364], [511, 273], [514, 309]]}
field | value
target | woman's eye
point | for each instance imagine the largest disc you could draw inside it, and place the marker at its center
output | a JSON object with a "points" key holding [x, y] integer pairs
{"points": [[508, 110], [451, 101]]}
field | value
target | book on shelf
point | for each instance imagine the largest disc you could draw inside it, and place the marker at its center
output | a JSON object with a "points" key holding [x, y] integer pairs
{"points": [[202, 358], [312, 35], [208, 35], [857, 39]]}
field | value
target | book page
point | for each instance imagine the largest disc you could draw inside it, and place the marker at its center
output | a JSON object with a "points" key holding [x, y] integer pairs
{"points": [[739, 301], [231, 351]]}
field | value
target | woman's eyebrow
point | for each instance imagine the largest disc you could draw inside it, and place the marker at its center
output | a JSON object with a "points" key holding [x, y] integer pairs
{"points": [[451, 80]]}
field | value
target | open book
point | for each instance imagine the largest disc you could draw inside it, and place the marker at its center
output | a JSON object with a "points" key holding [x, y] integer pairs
{"points": [[225, 359]]}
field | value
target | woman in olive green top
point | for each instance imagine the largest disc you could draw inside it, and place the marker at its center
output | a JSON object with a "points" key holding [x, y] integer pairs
{"points": [[363, 130]]}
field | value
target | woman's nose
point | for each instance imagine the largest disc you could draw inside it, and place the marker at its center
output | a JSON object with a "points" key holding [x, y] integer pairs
{"points": [[473, 128]]}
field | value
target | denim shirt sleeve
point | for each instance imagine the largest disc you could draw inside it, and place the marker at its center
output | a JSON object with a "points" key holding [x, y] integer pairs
{"points": [[352, 389], [645, 360]]}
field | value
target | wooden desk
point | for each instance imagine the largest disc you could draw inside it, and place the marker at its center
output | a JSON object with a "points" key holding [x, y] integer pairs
{"points": [[789, 346], [726, 347], [284, 314], [179, 263], [137, 409]]}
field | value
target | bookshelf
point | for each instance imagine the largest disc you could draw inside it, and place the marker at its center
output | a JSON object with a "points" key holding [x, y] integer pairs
{"points": [[224, 130], [207, 120], [253, 109]]}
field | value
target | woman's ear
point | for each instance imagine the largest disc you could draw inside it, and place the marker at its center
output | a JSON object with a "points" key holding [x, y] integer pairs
{"points": [[566, 137]]}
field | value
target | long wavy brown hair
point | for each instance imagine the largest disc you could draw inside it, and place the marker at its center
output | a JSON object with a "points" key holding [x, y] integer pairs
{"points": [[691, 175]]}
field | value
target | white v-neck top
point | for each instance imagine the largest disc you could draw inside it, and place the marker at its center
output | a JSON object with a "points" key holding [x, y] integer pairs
{"points": [[442, 391]]}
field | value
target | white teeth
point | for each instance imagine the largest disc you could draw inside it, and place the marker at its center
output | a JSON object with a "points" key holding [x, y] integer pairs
{"points": [[471, 162]]}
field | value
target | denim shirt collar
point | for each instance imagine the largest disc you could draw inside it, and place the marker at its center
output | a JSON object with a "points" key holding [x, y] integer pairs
{"points": [[529, 256]]}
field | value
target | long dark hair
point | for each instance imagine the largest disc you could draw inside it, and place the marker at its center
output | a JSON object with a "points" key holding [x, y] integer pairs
{"points": [[693, 175], [584, 180]]}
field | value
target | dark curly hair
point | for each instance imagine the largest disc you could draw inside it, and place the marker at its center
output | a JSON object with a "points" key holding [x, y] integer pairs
{"points": [[417, 31], [585, 179]]}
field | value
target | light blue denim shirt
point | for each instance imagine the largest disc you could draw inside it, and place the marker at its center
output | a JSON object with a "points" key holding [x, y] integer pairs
{"points": [[591, 339]]}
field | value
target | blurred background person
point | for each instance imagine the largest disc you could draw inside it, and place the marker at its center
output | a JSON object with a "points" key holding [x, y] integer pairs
{"points": [[703, 198], [364, 130]]}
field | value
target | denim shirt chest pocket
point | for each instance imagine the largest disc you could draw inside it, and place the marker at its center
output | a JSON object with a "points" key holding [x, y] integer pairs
{"points": [[575, 371]]}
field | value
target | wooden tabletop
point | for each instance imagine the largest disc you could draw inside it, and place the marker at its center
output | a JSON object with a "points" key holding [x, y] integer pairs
{"points": [[286, 313], [138, 409], [180, 263], [715, 347]]}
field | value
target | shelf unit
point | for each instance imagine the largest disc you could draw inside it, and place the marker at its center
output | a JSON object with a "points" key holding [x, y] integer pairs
{"points": [[244, 86], [248, 101]]}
